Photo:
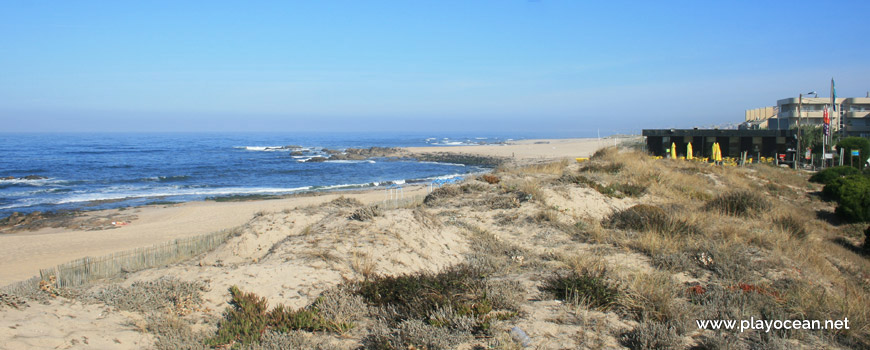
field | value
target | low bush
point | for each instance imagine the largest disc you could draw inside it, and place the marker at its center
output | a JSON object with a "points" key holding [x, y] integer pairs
{"points": [[165, 294], [345, 202], [867, 240], [490, 179], [825, 177], [248, 318], [413, 334], [629, 189], [366, 213], [418, 296], [616, 190], [590, 289], [644, 217], [652, 335], [852, 194], [440, 194], [172, 333], [739, 203], [291, 340], [796, 227], [611, 168], [245, 319]]}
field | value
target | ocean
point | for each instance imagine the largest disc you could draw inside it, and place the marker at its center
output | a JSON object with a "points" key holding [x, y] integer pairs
{"points": [[102, 171]]}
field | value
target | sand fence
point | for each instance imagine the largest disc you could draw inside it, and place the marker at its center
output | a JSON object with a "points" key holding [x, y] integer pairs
{"points": [[82, 271]]}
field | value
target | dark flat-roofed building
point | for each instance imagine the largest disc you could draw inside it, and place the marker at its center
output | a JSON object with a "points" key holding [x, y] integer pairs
{"points": [[767, 143]]}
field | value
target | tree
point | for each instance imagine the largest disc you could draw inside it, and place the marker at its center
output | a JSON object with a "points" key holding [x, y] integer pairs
{"points": [[859, 143], [811, 136]]}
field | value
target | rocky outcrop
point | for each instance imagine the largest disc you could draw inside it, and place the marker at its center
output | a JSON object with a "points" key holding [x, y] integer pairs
{"points": [[28, 177], [365, 153], [17, 218]]}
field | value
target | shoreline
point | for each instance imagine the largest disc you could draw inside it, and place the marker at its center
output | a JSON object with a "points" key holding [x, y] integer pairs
{"points": [[22, 254]]}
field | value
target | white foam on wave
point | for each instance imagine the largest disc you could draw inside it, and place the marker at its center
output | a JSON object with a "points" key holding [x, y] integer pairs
{"points": [[268, 148], [455, 143], [37, 182], [174, 191], [369, 161], [441, 163], [343, 186]]}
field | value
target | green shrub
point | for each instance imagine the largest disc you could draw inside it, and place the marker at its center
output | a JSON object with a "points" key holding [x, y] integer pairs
{"points": [[852, 194], [644, 217], [739, 203], [652, 335], [826, 176], [418, 296], [248, 318], [867, 240], [859, 143], [590, 289]]}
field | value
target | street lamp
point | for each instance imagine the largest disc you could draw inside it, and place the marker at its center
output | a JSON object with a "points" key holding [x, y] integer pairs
{"points": [[800, 106]]}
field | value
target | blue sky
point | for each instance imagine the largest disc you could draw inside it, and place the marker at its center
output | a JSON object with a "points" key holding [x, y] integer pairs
{"points": [[502, 65]]}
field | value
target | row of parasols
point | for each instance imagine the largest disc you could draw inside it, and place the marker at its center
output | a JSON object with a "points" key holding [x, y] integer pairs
{"points": [[716, 155]]}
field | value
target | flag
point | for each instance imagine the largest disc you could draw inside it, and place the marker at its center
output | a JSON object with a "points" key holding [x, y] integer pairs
{"points": [[833, 95], [827, 120]]}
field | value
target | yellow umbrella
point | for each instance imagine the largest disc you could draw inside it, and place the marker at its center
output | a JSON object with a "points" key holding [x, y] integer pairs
{"points": [[718, 152], [673, 150], [689, 151]]}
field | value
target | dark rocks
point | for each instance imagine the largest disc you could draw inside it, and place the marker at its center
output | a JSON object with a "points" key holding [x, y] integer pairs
{"points": [[296, 153], [365, 153], [316, 160], [458, 158], [28, 177], [17, 218]]}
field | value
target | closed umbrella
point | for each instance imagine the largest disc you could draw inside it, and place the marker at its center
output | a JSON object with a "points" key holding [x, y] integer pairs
{"points": [[689, 151], [673, 150]]}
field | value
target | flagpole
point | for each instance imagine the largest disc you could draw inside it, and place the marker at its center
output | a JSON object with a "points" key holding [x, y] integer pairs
{"points": [[825, 130]]}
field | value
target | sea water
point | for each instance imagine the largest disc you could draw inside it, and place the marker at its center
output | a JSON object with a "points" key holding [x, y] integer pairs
{"points": [[101, 171]]}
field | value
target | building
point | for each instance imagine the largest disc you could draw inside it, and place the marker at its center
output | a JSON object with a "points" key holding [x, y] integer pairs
{"points": [[757, 118], [852, 116], [764, 143]]}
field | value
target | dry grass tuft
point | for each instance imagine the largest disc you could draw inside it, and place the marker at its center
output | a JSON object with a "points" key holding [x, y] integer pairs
{"points": [[551, 168], [366, 213], [739, 203], [363, 264], [643, 217]]}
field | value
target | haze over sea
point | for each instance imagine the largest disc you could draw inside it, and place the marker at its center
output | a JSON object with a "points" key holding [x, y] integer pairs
{"points": [[104, 170]]}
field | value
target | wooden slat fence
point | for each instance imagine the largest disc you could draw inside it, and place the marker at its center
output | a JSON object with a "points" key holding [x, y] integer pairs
{"points": [[82, 271]]}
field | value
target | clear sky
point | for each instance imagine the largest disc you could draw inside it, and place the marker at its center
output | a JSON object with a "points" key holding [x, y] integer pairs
{"points": [[505, 65]]}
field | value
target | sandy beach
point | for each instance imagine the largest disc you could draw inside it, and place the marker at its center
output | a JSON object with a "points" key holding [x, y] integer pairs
{"points": [[23, 254], [535, 149]]}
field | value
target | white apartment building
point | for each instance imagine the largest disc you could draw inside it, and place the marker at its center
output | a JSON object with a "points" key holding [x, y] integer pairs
{"points": [[852, 116]]}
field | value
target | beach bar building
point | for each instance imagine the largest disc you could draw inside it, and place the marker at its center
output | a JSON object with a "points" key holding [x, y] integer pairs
{"points": [[764, 143]]}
